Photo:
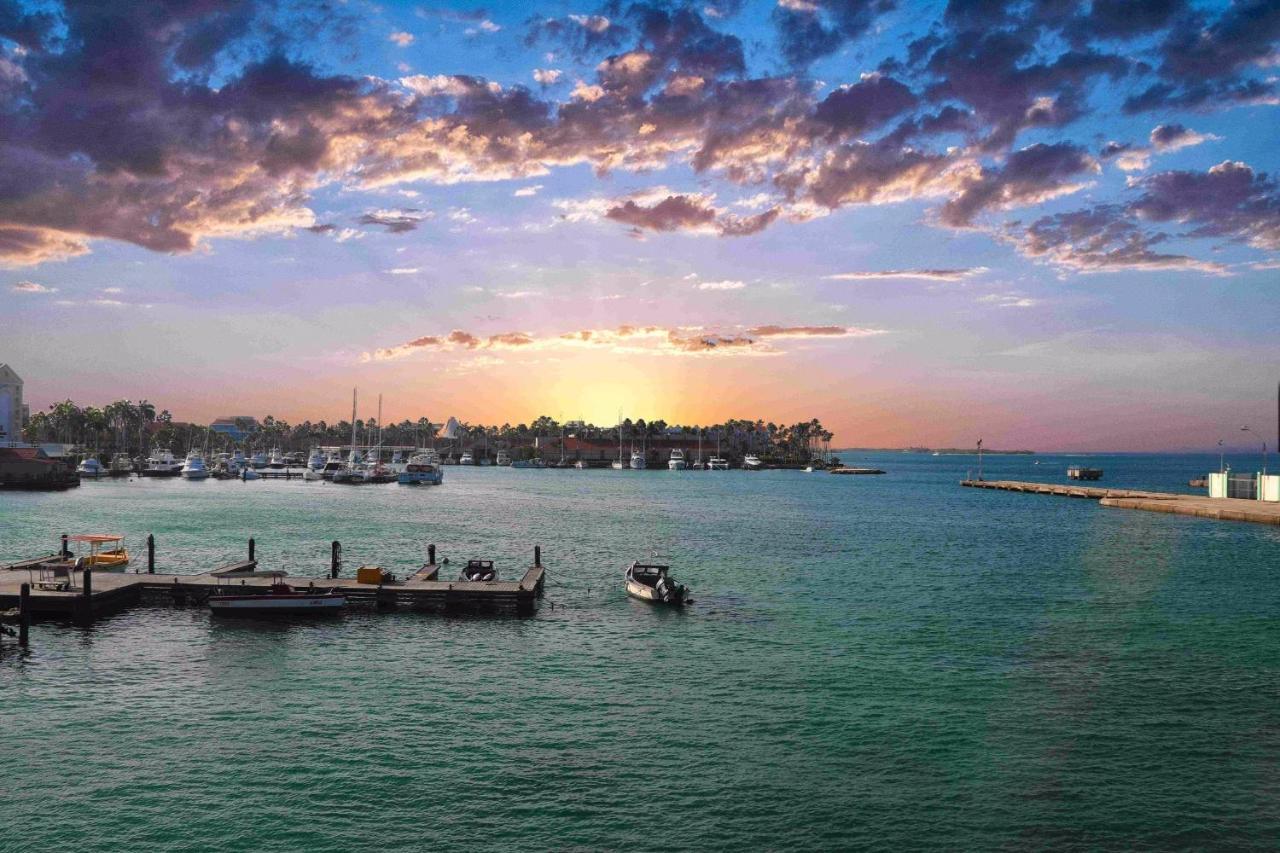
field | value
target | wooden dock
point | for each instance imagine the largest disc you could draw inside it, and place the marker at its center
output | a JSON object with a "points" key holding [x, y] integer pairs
{"points": [[99, 592], [1221, 509]]}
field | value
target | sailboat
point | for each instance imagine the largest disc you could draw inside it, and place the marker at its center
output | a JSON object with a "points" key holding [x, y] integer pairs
{"points": [[353, 472]]}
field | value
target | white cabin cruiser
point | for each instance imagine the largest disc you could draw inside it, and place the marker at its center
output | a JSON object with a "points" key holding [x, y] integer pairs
{"points": [[466, 458], [315, 462], [423, 469], [717, 463], [162, 463], [751, 462], [676, 462], [195, 469], [637, 461], [504, 458], [91, 468]]}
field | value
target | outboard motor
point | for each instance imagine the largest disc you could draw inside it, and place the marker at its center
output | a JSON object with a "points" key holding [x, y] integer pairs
{"points": [[662, 589]]}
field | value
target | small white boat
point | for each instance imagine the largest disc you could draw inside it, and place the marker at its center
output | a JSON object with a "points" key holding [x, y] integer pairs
{"points": [[637, 460], [121, 465], [676, 462], [504, 458], [717, 463], [617, 465], [311, 475], [277, 459], [195, 469], [423, 469], [91, 468], [808, 469], [580, 465], [653, 583], [315, 462], [466, 458], [751, 462], [478, 571], [280, 599]]}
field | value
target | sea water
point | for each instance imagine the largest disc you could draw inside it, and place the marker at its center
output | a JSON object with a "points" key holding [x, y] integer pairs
{"points": [[892, 662]]}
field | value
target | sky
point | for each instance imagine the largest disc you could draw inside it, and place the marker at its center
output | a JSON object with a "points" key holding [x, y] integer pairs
{"points": [[1049, 224]]}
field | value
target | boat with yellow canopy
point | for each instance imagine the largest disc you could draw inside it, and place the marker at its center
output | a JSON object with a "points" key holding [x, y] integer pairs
{"points": [[105, 551]]}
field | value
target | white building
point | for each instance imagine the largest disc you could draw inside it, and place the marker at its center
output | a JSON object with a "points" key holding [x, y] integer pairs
{"points": [[11, 407]]}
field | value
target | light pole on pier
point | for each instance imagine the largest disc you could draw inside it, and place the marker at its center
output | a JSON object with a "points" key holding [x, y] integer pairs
{"points": [[979, 460]]}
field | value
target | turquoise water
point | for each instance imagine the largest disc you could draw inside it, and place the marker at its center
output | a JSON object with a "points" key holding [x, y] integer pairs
{"points": [[890, 662]]}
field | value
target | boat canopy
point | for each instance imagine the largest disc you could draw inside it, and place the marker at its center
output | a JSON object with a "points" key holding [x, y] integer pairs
{"points": [[97, 538]]}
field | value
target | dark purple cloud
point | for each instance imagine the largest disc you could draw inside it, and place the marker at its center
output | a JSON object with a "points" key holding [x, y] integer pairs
{"points": [[1030, 175], [811, 29]]}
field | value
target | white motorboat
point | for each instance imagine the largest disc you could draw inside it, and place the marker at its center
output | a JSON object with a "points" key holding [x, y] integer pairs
{"points": [[195, 469], [91, 468], [277, 459], [637, 460], [315, 462], [618, 465], [279, 599], [653, 583], [162, 463], [423, 469], [466, 458], [581, 465], [121, 465], [751, 462], [676, 462], [504, 458], [258, 460], [717, 463]]}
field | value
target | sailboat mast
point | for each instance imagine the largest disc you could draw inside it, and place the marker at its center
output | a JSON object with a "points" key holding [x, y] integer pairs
{"points": [[353, 420]]}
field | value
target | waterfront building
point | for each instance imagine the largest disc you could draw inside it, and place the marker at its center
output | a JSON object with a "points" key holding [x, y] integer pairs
{"points": [[11, 407], [236, 427]]}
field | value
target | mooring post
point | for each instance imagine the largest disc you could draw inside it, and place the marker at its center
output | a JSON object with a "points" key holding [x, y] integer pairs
{"points": [[335, 559], [251, 549], [24, 613], [151, 554], [537, 555], [66, 552], [86, 604], [431, 554]]}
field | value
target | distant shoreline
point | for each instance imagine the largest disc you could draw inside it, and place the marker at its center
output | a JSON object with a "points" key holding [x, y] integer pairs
{"points": [[940, 451]]}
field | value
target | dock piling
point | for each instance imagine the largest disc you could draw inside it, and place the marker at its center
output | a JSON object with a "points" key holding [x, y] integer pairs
{"points": [[24, 613], [431, 554], [251, 545], [66, 552], [335, 559], [151, 554], [537, 555]]}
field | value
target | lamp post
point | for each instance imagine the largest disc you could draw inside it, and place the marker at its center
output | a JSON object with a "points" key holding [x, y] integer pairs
{"points": [[1221, 464]]}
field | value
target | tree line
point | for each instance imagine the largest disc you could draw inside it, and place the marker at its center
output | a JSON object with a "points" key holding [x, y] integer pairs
{"points": [[137, 428]]}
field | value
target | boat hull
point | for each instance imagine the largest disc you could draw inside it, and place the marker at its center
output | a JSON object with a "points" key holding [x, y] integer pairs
{"points": [[409, 478], [647, 593], [270, 605]]}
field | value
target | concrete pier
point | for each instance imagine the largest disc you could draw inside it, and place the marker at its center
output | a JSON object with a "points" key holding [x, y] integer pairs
{"points": [[1220, 509]]}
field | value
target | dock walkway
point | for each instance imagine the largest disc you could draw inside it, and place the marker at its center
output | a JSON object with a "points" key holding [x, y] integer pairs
{"points": [[1221, 509], [110, 591]]}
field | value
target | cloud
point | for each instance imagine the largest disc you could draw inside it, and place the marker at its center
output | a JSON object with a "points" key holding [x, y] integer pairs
{"points": [[1008, 300], [1165, 137], [954, 274], [404, 271], [726, 284], [546, 76], [395, 221], [811, 29], [692, 213], [640, 340], [526, 192], [1033, 174], [32, 287], [401, 38]]}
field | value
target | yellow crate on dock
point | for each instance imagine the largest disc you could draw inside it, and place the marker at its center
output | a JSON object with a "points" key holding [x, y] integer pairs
{"points": [[370, 574]]}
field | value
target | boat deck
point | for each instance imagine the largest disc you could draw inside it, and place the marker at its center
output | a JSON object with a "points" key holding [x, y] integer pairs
{"points": [[1221, 509]]}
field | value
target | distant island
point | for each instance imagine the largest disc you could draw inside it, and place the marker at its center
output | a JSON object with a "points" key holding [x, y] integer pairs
{"points": [[943, 451]]}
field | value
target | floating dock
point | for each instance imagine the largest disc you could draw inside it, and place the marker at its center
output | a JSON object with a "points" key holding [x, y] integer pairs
{"points": [[1221, 509], [98, 592]]}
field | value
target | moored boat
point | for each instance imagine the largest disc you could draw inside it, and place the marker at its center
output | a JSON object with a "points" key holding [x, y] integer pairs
{"points": [[751, 462], [104, 551], [162, 463], [529, 463], [121, 465], [195, 469], [653, 583], [676, 462], [91, 468], [280, 599], [422, 469], [637, 461], [478, 571]]}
